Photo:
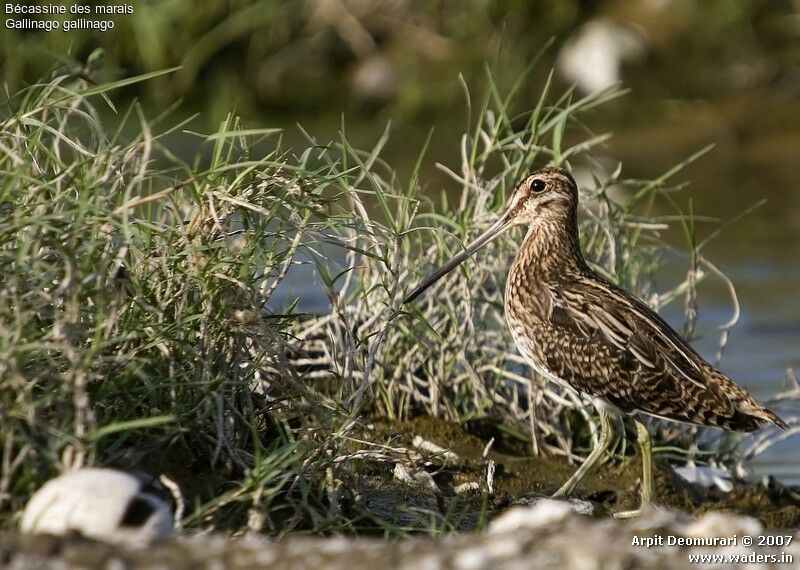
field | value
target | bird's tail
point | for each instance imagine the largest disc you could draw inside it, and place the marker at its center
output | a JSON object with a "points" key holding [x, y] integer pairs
{"points": [[753, 408], [771, 416]]}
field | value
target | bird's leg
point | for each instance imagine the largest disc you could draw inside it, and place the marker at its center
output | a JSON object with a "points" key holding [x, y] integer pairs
{"points": [[645, 442], [606, 435], [646, 449]]}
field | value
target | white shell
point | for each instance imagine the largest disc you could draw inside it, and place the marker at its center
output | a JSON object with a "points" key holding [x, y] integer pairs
{"points": [[707, 476], [94, 502]]}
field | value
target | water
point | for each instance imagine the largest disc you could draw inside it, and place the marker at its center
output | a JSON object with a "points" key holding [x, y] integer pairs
{"points": [[760, 347], [758, 142]]}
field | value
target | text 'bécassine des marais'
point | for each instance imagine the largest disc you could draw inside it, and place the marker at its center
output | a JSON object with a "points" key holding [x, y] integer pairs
{"points": [[48, 17]]}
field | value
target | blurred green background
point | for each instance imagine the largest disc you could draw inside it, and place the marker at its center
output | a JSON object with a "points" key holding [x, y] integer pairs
{"points": [[700, 71]]}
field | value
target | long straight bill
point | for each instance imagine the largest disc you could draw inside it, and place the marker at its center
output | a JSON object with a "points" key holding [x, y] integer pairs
{"points": [[486, 237]]}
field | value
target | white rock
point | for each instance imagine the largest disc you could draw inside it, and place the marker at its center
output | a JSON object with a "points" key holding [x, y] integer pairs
{"points": [[401, 473], [417, 479], [578, 506], [722, 524], [103, 504], [545, 513], [433, 448], [473, 559], [654, 518], [466, 487]]}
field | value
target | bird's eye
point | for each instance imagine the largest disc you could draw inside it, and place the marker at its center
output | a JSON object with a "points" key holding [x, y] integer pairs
{"points": [[538, 185]]}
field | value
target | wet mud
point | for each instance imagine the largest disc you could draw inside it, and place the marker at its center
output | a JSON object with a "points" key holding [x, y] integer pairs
{"points": [[519, 477]]}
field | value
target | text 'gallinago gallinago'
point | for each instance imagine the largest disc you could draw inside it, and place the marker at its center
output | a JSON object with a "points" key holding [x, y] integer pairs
{"points": [[576, 328]]}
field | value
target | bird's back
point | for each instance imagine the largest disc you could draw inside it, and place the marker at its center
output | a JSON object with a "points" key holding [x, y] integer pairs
{"points": [[575, 326]]}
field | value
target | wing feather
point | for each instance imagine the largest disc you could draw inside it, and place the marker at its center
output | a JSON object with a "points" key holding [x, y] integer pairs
{"points": [[598, 307], [591, 335]]}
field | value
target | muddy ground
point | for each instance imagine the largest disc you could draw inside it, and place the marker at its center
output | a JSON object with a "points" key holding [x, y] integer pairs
{"points": [[408, 487], [431, 480], [429, 493], [519, 476]]}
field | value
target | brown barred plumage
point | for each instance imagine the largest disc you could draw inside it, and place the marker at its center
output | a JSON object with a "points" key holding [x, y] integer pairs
{"points": [[573, 325], [578, 329]]}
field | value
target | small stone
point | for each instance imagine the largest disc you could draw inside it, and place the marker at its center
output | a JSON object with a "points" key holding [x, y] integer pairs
{"points": [[578, 506], [537, 514], [654, 518], [419, 478], [430, 447], [721, 524], [466, 487]]}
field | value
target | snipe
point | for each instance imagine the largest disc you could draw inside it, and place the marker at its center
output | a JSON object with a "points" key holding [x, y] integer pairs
{"points": [[578, 329]]}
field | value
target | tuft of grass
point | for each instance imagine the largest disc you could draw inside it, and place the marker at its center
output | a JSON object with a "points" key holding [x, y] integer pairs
{"points": [[150, 317], [132, 321]]}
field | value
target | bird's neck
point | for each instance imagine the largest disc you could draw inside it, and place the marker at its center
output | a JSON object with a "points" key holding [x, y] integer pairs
{"points": [[550, 251]]}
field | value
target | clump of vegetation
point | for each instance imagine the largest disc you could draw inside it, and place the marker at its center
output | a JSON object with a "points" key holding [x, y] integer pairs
{"points": [[149, 317], [132, 298]]}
